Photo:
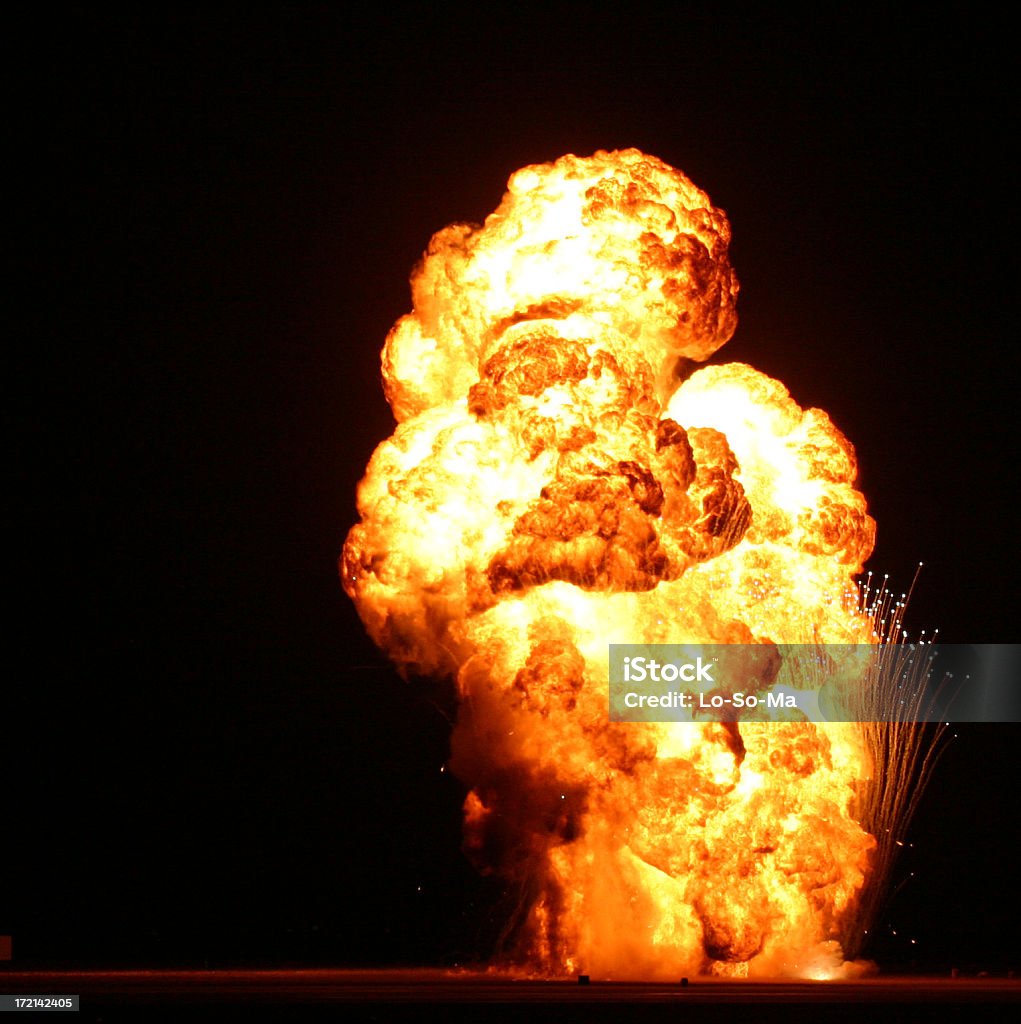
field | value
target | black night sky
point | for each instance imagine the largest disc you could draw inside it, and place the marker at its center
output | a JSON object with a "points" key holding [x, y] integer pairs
{"points": [[208, 760]]}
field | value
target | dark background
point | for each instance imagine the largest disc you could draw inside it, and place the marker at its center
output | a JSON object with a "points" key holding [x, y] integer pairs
{"points": [[208, 761]]}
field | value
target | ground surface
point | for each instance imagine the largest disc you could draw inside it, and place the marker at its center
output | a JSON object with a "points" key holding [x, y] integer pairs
{"points": [[410, 995]]}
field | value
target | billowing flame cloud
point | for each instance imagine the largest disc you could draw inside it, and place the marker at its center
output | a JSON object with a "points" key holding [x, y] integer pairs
{"points": [[559, 479]]}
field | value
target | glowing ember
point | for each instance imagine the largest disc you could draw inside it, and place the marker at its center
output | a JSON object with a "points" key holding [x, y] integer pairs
{"points": [[559, 480]]}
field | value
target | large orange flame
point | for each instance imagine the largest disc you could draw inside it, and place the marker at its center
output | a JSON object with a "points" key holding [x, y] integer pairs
{"points": [[562, 477]]}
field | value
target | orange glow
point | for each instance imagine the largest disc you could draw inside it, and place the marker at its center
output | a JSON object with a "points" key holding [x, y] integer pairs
{"points": [[559, 479]]}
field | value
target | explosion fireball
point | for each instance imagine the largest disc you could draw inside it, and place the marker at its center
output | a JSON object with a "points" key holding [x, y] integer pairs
{"points": [[562, 476]]}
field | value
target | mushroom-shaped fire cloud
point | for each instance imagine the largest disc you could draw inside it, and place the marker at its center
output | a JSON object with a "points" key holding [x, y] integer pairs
{"points": [[562, 477]]}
